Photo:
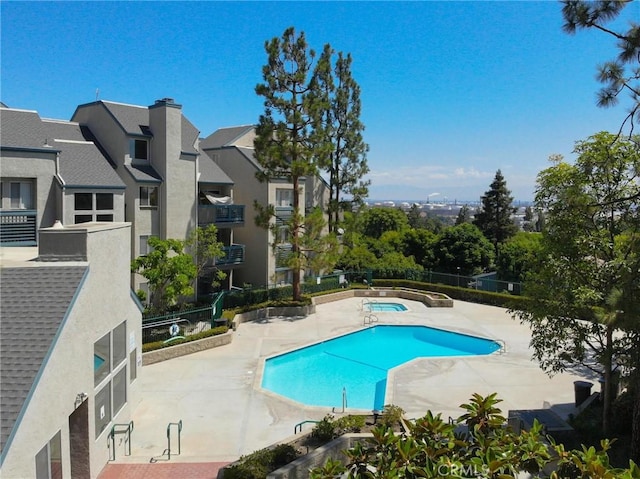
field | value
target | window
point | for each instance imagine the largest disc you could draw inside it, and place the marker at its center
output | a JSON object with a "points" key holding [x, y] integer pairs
{"points": [[119, 390], [94, 207], [144, 247], [103, 409], [83, 201], [21, 195], [139, 149], [148, 196], [119, 343], [77, 219], [104, 201], [49, 459], [101, 358], [284, 197], [133, 370]]}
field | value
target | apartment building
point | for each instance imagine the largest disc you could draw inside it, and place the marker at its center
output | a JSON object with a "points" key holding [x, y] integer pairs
{"points": [[70, 350], [232, 149], [52, 170]]}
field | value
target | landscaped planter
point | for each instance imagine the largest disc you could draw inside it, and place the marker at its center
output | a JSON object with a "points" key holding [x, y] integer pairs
{"points": [[186, 348]]}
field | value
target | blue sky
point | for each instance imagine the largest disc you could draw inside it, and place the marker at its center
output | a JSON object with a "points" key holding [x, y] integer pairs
{"points": [[451, 91]]}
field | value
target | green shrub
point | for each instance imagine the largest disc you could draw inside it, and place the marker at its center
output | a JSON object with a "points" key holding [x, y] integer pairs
{"points": [[204, 334], [349, 424], [325, 430], [502, 300], [259, 464], [391, 415]]}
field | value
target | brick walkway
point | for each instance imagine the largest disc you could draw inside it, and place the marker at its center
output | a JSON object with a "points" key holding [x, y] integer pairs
{"points": [[182, 470]]}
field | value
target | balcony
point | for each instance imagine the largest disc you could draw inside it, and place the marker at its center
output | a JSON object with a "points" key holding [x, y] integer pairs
{"points": [[18, 228], [221, 215], [283, 214], [234, 255]]}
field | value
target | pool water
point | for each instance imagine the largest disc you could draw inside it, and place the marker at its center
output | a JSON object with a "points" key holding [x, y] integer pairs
{"points": [[359, 362], [377, 307]]}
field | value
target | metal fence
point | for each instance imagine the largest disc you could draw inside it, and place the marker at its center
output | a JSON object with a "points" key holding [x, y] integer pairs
{"points": [[188, 322]]}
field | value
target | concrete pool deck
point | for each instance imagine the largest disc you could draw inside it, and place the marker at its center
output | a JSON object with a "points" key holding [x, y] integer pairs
{"points": [[225, 414]]}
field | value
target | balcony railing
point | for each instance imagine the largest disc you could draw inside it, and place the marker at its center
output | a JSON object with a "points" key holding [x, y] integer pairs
{"points": [[283, 214], [18, 228], [234, 255], [221, 215]]}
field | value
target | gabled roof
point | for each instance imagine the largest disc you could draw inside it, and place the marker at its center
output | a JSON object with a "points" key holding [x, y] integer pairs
{"points": [[210, 172], [143, 173], [22, 129], [189, 137], [133, 119], [250, 154], [82, 163], [35, 301], [225, 136]]}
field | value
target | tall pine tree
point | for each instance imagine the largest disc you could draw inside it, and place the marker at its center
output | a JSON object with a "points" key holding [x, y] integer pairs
{"points": [[494, 216], [340, 125], [289, 145]]}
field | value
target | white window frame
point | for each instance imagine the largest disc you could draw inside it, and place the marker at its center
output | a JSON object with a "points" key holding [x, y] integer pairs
{"points": [[284, 197], [23, 200], [146, 203]]}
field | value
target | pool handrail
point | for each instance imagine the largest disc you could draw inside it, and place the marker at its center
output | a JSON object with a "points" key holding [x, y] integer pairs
{"points": [[295, 428]]}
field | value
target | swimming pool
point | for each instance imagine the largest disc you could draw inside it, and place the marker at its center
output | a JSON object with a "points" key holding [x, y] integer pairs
{"points": [[374, 306], [359, 362]]}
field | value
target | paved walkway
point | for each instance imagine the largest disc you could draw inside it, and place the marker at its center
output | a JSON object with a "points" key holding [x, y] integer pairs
{"points": [[216, 393]]}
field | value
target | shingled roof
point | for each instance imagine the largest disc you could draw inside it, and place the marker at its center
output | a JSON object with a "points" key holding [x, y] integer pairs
{"points": [[82, 163], [35, 302], [224, 136], [22, 129], [210, 172]]}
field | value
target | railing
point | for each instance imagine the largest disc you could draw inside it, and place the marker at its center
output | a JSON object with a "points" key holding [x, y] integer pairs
{"points": [[299, 425], [234, 255], [118, 429], [220, 215], [18, 228], [283, 214], [156, 328], [179, 425]]}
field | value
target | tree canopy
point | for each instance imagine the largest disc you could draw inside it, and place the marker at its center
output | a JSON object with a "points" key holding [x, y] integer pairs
{"points": [[290, 144], [494, 216], [583, 307], [338, 122], [621, 74]]}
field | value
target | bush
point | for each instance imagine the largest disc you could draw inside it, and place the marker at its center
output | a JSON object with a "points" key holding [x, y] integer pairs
{"points": [[325, 430], [349, 424], [391, 415], [259, 464], [204, 334], [463, 294]]}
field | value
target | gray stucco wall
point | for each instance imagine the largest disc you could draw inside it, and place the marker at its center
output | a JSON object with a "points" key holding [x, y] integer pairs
{"points": [[103, 302], [39, 167]]}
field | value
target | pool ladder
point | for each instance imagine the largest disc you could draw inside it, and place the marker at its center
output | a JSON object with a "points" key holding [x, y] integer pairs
{"points": [[369, 318], [344, 401]]}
